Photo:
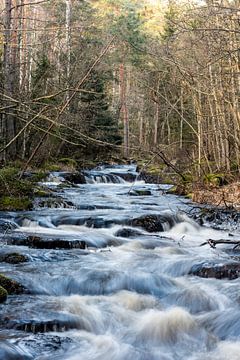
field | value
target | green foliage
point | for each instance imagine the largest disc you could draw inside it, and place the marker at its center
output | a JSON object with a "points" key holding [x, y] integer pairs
{"points": [[51, 167], [215, 179], [12, 185], [170, 23], [9, 203], [100, 123], [127, 27], [69, 162], [44, 71], [188, 178]]}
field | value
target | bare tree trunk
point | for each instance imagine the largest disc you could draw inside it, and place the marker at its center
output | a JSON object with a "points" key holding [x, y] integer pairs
{"points": [[8, 128], [68, 45], [124, 110]]}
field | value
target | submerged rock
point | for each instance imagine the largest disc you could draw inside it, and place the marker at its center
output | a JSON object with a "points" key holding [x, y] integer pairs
{"points": [[220, 271], [44, 326], [11, 286], [9, 351], [3, 294], [127, 233]]}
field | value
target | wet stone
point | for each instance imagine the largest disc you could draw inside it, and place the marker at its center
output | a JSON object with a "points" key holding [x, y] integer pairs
{"points": [[75, 178], [41, 243], [225, 271], [14, 258], [129, 177], [140, 193], [38, 326], [7, 225], [12, 286], [55, 203], [151, 223], [127, 233], [9, 351], [3, 294]]}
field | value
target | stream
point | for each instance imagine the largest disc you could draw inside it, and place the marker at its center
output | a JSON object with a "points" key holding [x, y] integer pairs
{"points": [[127, 293]]}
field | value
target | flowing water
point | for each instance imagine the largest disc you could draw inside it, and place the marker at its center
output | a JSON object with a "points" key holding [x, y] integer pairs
{"points": [[129, 295]]}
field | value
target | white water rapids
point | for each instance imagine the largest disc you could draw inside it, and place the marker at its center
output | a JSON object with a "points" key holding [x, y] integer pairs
{"points": [[124, 297]]}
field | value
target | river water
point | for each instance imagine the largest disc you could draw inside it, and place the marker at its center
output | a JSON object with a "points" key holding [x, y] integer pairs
{"points": [[121, 298]]}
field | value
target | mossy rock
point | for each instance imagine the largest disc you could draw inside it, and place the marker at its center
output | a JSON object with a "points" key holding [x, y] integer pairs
{"points": [[215, 179], [3, 294], [12, 286], [69, 162], [14, 258], [9, 203]]}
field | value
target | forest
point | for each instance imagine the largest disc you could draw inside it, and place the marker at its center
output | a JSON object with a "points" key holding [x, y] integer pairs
{"points": [[119, 180], [94, 79]]}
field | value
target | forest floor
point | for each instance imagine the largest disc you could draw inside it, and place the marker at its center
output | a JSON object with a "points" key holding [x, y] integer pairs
{"points": [[227, 196]]}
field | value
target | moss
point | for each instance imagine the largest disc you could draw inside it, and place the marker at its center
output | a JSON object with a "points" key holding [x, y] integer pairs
{"points": [[215, 179], [14, 258], [172, 190], [188, 178], [68, 162], [12, 286], [41, 193], [39, 176], [51, 167], [3, 294], [12, 185], [8, 203]]}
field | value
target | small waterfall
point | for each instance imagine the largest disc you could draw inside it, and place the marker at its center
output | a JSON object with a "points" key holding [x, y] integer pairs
{"points": [[92, 178]]}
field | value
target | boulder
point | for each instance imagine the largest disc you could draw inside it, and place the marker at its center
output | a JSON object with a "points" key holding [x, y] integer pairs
{"points": [[152, 223], [3, 294], [13, 258], [41, 243], [228, 271], [75, 177], [11, 286]]}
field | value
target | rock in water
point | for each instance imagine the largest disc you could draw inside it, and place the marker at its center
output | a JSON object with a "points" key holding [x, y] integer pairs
{"points": [[14, 258], [217, 271], [127, 233], [3, 294], [140, 193], [41, 243], [150, 223], [12, 286]]}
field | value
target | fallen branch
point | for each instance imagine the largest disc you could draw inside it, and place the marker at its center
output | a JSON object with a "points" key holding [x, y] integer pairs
{"points": [[213, 243]]}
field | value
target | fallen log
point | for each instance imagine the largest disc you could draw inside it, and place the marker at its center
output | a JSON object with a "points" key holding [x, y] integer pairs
{"points": [[213, 243]]}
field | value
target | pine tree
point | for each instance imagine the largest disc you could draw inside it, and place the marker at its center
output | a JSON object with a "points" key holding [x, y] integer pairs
{"points": [[100, 124]]}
